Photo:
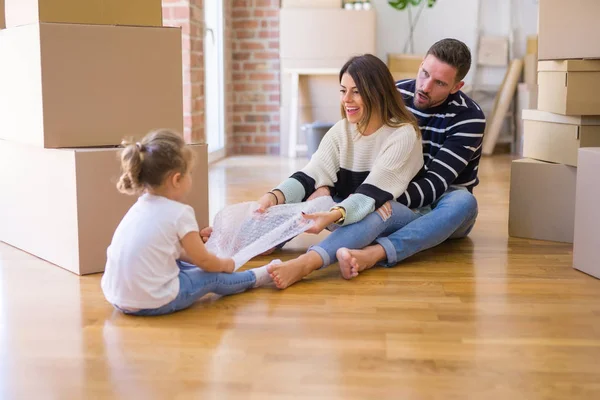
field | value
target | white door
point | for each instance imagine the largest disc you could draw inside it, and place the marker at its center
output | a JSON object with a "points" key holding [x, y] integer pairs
{"points": [[214, 91]]}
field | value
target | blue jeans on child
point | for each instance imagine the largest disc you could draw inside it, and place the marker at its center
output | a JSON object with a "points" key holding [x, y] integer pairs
{"points": [[406, 232], [195, 283]]}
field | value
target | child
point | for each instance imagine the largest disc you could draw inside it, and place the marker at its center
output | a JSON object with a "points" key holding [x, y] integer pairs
{"points": [[151, 266]]}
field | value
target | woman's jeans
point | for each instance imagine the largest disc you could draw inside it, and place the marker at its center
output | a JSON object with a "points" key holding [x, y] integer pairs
{"points": [[404, 232], [195, 283]]}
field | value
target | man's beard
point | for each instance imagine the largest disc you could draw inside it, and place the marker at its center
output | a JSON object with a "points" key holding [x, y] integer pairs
{"points": [[422, 106]]}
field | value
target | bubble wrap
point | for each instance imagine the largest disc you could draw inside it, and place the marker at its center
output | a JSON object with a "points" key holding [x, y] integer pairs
{"points": [[241, 233]]}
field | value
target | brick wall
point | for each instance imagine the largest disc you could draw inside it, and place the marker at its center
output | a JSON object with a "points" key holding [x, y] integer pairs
{"points": [[255, 82], [252, 83], [189, 15]]}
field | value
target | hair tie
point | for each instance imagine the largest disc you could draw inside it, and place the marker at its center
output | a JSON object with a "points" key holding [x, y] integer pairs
{"points": [[139, 146]]}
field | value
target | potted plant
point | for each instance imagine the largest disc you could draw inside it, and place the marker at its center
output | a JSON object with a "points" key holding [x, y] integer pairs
{"points": [[412, 22]]}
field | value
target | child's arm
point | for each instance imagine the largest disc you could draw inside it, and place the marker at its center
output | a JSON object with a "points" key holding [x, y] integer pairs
{"points": [[196, 253]]}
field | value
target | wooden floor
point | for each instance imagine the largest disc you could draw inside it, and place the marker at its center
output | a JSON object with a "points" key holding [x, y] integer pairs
{"points": [[484, 317]]}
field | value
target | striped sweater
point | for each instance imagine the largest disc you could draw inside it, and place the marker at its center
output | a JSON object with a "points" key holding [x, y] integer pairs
{"points": [[373, 169], [452, 137]]}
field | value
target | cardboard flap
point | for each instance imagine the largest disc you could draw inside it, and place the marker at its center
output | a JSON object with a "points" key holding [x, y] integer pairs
{"points": [[569, 66], [544, 116], [103, 12]]}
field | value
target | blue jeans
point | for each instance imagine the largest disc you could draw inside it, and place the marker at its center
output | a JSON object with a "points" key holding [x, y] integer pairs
{"points": [[195, 283], [452, 216], [405, 232]]}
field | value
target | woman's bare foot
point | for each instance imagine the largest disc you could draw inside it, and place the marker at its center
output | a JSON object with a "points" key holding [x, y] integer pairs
{"points": [[290, 272], [354, 261]]}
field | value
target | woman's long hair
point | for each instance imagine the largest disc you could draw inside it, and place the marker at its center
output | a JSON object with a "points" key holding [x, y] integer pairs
{"points": [[376, 86]]}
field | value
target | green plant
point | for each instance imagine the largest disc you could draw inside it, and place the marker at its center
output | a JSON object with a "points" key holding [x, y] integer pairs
{"points": [[401, 5]]}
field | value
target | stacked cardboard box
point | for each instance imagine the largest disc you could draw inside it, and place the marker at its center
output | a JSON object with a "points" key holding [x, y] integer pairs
{"points": [[76, 78], [567, 118], [586, 245], [527, 90]]}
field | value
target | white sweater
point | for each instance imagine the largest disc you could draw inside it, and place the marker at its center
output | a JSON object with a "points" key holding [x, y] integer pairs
{"points": [[366, 171]]}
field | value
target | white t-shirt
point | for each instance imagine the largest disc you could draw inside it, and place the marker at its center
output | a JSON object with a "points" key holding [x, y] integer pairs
{"points": [[141, 269]]}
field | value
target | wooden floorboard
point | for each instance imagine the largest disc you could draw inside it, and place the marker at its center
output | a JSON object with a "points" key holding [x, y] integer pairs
{"points": [[484, 317]]}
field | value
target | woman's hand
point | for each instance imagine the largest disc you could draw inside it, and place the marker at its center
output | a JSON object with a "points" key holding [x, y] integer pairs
{"points": [[270, 199], [322, 220], [320, 192]]}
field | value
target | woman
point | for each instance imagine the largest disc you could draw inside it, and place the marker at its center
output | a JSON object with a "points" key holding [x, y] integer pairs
{"points": [[367, 159]]}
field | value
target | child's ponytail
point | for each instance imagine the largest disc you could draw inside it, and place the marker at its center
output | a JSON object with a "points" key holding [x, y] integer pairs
{"points": [[132, 159]]}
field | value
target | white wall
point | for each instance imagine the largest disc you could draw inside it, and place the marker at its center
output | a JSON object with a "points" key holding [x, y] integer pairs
{"points": [[455, 18]]}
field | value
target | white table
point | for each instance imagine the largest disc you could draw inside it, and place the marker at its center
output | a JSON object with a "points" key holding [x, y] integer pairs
{"points": [[295, 73]]}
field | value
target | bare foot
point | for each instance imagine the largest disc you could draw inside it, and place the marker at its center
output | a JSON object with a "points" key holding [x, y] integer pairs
{"points": [[354, 261], [290, 272], [347, 263]]}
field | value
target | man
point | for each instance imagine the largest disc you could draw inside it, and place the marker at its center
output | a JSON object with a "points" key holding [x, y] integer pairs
{"points": [[442, 193]]}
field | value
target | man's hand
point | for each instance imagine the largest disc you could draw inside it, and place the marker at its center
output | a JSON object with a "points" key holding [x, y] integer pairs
{"points": [[205, 233], [322, 220], [320, 192]]}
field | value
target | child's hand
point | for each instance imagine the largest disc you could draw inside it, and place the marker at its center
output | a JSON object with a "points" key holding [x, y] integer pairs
{"points": [[205, 233], [195, 250], [228, 265]]}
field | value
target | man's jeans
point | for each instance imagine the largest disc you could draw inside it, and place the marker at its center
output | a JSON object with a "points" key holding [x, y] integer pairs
{"points": [[404, 232]]}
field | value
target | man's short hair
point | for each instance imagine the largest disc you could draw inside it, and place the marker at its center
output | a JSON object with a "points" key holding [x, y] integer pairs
{"points": [[455, 53]]}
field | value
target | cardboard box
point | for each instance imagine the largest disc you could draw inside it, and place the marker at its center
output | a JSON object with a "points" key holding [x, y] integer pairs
{"points": [[569, 87], [72, 85], [532, 45], [62, 204], [526, 99], [493, 51], [568, 29], [2, 23], [586, 246], [542, 201], [321, 36], [404, 66], [557, 138], [530, 64], [108, 12]]}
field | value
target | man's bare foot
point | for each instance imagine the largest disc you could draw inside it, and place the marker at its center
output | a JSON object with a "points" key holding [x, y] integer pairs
{"points": [[354, 261], [290, 272]]}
